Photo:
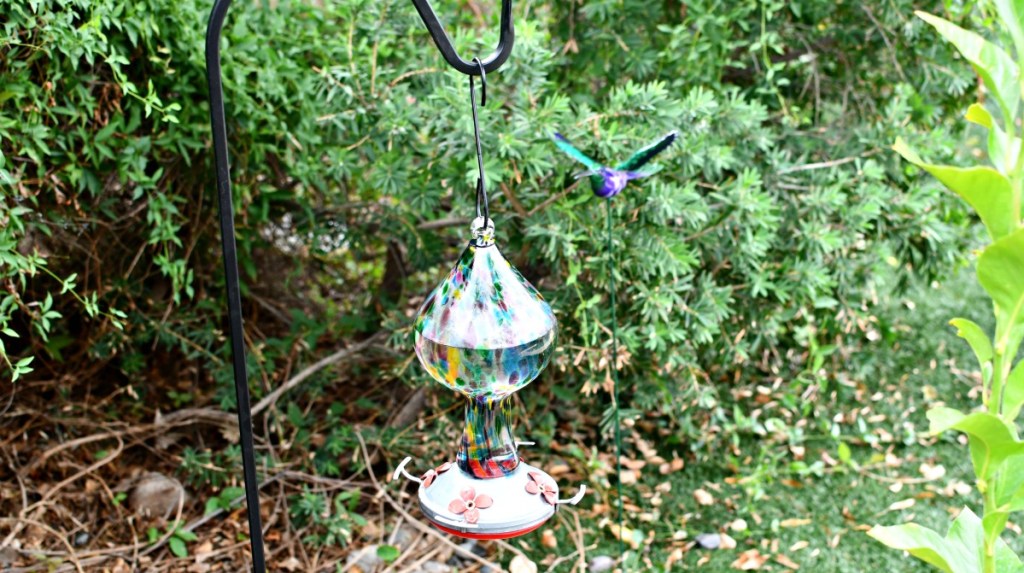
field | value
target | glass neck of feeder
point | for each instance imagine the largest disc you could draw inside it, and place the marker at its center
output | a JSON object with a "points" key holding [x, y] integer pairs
{"points": [[488, 449]]}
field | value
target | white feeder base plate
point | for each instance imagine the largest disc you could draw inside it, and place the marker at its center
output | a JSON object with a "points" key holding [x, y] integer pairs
{"points": [[515, 511]]}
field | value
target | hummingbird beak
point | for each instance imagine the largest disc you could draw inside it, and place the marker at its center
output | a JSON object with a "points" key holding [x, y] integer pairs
{"points": [[583, 174]]}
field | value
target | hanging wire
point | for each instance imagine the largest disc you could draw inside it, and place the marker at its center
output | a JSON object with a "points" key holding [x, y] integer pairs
{"points": [[482, 209]]}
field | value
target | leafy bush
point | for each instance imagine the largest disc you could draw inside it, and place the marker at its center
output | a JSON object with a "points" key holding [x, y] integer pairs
{"points": [[974, 543], [351, 153]]}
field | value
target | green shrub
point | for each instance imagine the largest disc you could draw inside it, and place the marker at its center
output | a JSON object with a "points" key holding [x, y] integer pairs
{"points": [[760, 236]]}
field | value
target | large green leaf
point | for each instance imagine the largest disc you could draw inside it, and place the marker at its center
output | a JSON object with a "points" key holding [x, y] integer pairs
{"points": [[1006, 560], [960, 551], [996, 68], [1001, 272], [976, 337], [984, 188], [1009, 485], [992, 440], [921, 542], [1014, 392], [1011, 12]]}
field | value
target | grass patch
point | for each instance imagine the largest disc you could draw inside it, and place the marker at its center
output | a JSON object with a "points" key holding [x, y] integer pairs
{"points": [[808, 492]]}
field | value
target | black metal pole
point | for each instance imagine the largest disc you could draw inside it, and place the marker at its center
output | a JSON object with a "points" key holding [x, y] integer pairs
{"points": [[227, 223], [227, 237]]}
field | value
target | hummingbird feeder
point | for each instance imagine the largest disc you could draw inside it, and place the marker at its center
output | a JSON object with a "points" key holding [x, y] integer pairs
{"points": [[485, 332]]}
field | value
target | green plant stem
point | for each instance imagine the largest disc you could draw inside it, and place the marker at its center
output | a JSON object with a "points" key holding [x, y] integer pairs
{"points": [[995, 401], [989, 558], [1002, 365]]}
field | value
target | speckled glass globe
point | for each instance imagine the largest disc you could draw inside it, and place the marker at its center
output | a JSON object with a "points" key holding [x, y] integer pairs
{"points": [[485, 331]]}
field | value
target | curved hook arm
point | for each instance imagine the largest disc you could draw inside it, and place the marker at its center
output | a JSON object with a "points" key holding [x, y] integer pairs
{"points": [[506, 39]]}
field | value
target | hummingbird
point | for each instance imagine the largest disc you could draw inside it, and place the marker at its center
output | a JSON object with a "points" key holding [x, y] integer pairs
{"points": [[607, 182]]}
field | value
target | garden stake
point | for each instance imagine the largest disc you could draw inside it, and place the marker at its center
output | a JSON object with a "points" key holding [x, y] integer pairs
{"points": [[607, 182], [615, 377]]}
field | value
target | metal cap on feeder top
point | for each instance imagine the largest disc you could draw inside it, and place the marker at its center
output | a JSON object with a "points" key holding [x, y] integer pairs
{"points": [[483, 232]]}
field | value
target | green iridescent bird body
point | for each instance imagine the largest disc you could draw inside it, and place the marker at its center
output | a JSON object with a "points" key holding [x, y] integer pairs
{"points": [[607, 181]]}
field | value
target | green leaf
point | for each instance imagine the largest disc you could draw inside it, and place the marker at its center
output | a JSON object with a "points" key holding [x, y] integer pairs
{"points": [[984, 188], [996, 68], [1001, 272], [976, 337], [1007, 560], [959, 552], [993, 523], [212, 506], [1013, 398], [1002, 152], [844, 453], [977, 114], [231, 494], [177, 547], [388, 553], [992, 440], [1011, 13], [1009, 485], [185, 535]]}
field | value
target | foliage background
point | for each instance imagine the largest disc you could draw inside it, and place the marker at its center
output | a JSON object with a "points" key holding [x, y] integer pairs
{"points": [[755, 259]]}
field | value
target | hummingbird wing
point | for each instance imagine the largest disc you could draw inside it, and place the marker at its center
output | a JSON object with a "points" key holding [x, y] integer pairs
{"points": [[576, 154], [631, 175], [645, 155]]}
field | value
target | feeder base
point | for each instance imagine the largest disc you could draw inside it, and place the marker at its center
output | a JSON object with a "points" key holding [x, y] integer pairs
{"points": [[514, 511]]}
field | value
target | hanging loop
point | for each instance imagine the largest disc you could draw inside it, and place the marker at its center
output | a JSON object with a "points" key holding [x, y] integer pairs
{"points": [[483, 81], [506, 39], [482, 209]]}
